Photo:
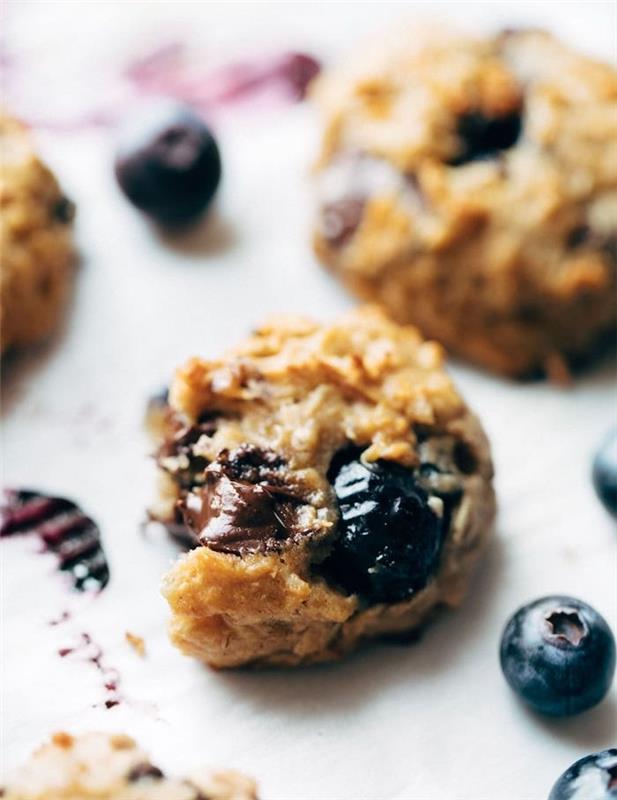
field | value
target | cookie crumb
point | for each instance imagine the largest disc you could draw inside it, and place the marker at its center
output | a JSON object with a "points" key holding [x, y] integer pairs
{"points": [[63, 740], [137, 643]]}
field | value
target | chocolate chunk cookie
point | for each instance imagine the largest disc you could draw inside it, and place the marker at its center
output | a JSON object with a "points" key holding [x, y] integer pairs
{"points": [[332, 486], [98, 765], [470, 186], [36, 249]]}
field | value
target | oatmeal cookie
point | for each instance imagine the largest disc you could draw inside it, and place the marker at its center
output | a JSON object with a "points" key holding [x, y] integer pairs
{"points": [[110, 767], [332, 484], [36, 249], [470, 186]]}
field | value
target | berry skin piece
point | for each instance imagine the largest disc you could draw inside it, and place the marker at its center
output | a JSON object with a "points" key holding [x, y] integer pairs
{"points": [[593, 777], [558, 655], [605, 472], [168, 163]]}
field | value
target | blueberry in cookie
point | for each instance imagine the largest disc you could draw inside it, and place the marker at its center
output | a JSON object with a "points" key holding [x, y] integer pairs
{"points": [[99, 765], [36, 248], [470, 187], [331, 484]]}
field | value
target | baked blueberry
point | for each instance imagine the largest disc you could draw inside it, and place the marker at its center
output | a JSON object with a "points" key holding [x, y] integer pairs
{"points": [[168, 163], [485, 137], [558, 655], [593, 777], [605, 472], [390, 531]]}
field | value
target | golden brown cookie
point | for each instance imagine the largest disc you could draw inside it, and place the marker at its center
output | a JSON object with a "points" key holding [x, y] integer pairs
{"points": [[470, 186], [112, 767], [36, 249], [332, 483]]}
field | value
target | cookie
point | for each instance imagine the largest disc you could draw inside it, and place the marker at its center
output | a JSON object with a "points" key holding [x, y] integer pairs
{"points": [[333, 487], [36, 248], [470, 187], [99, 765]]}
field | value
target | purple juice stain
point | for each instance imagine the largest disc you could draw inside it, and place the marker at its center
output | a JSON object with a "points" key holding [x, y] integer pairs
{"points": [[63, 528], [90, 652]]}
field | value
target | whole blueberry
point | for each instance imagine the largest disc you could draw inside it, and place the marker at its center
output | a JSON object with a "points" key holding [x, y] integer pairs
{"points": [[390, 534], [605, 472], [558, 654], [593, 777], [168, 163]]}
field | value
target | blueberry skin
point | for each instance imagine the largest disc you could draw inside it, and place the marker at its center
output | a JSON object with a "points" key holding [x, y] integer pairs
{"points": [[593, 777], [390, 537], [558, 655], [168, 163], [604, 472]]}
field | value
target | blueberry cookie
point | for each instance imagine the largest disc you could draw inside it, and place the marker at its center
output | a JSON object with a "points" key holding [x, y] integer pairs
{"points": [[470, 186], [36, 247], [333, 487], [98, 765]]}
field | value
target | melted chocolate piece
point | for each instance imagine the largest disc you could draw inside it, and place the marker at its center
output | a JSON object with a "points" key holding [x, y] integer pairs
{"points": [[236, 517], [64, 529], [340, 220], [244, 505]]}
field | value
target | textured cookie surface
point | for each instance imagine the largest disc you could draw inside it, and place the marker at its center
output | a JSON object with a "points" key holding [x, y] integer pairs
{"points": [[113, 767], [332, 483], [470, 186], [36, 252]]}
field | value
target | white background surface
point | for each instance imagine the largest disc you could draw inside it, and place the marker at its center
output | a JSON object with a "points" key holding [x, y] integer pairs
{"points": [[433, 721]]}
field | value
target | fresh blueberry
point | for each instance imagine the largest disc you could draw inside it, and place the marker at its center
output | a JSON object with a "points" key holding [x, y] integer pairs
{"points": [[558, 654], [605, 472], [593, 777], [390, 529], [168, 163]]}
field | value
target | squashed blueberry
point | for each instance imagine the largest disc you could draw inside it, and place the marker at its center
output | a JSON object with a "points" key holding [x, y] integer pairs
{"points": [[485, 137], [390, 530], [605, 472], [593, 777], [558, 655], [168, 163]]}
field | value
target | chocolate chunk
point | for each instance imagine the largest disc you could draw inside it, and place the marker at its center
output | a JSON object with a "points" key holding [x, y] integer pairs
{"points": [[253, 464], [340, 220], [245, 504], [144, 771], [234, 517]]}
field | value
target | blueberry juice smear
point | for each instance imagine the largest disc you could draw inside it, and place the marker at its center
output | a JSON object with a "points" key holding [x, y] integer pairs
{"points": [[64, 530]]}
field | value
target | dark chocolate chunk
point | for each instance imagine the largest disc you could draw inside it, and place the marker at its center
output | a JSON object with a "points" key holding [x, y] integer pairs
{"points": [[65, 530], [245, 505]]}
